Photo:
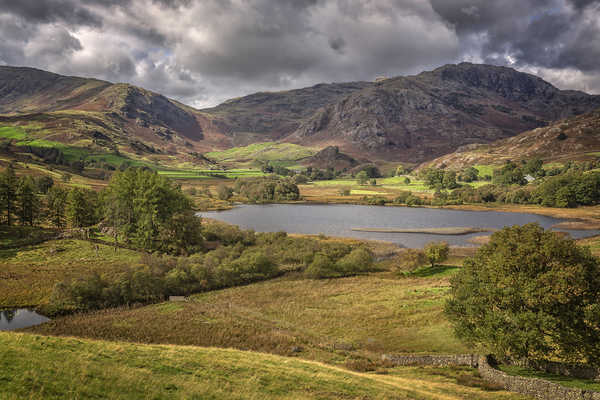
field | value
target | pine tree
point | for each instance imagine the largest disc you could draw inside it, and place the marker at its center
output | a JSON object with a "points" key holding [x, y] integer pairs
{"points": [[27, 203], [56, 203], [8, 189]]}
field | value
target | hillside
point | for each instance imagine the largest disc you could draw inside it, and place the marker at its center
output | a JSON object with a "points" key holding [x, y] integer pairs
{"points": [[420, 117], [97, 369], [408, 119], [92, 117], [268, 116], [575, 138]]}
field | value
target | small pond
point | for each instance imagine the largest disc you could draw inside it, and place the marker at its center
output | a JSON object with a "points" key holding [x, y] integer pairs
{"points": [[20, 318], [341, 219]]}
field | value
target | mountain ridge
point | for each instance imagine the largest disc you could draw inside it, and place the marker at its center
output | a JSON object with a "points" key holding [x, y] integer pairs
{"points": [[412, 118]]}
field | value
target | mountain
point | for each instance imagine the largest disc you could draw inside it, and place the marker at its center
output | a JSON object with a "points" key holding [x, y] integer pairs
{"points": [[412, 118], [97, 116], [575, 138], [267, 116], [416, 118]]}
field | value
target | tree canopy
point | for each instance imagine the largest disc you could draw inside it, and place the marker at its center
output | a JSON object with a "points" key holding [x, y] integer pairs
{"points": [[529, 293]]}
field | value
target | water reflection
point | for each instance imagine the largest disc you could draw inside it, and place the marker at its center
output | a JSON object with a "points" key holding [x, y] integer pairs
{"points": [[20, 318], [339, 220]]}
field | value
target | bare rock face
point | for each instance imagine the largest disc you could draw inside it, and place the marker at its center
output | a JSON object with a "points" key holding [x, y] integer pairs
{"points": [[154, 109], [417, 118], [273, 115]]}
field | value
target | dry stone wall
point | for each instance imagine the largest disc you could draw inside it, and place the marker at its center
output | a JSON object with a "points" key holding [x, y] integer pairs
{"points": [[537, 388], [534, 387]]}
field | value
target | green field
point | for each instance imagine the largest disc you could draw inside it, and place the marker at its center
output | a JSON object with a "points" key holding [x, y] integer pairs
{"points": [[207, 174], [268, 151], [12, 132]]}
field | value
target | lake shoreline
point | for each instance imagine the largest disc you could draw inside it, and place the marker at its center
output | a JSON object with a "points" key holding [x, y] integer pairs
{"points": [[583, 214]]}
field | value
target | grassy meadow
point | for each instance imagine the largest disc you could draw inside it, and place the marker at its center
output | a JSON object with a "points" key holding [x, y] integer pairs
{"points": [[29, 272], [332, 320], [34, 366]]}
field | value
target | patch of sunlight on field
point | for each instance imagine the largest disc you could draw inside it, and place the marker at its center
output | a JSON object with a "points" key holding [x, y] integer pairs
{"points": [[366, 192]]}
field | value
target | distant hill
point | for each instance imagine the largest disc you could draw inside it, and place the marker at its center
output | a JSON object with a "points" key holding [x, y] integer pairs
{"points": [[97, 116], [575, 138], [403, 119], [269, 116], [418, 118], [331, 157]]}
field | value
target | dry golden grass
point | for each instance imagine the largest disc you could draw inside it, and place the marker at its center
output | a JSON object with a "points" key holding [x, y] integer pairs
{"points": [[329, 320], [38, 367]]}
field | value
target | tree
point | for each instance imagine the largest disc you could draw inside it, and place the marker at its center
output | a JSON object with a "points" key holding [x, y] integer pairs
{"points": [[8, 192], [27, 204], [436, 252], [224, 192], [142, 207], [509, 174], [182, 234], [433, 178], [529, 293], [56, 202], [449, 180], [287, 190], [362, 177], [410, 260], [43, 184], [470, 174], [82, 208]]}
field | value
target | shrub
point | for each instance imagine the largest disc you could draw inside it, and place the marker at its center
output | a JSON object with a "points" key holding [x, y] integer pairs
{"points": [[409, 260], [358, 260], [224, 192], [436, 252], [322, 267]]}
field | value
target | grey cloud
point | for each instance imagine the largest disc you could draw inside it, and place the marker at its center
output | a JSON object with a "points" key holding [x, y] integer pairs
{"points": [[204, 51]]}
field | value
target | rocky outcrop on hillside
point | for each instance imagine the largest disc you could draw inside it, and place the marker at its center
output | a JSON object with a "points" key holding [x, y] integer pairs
{"points": [[272, 115], [420, 117], [330, 157]]}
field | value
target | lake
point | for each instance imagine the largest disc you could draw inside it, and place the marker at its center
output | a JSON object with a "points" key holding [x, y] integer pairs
{"points": [[20, 318], [340, 219]]}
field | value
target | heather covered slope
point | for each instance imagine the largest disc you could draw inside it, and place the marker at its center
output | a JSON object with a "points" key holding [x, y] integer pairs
{"points": [[402, 119], [575, 138], [419, 117]]}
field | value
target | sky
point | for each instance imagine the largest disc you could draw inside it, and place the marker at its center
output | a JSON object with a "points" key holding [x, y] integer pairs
{"points": [[203, 52]]}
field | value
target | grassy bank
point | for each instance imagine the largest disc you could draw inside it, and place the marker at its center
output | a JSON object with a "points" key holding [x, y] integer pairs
{"points": [[329, 320], [55, 368], [29, 273]]}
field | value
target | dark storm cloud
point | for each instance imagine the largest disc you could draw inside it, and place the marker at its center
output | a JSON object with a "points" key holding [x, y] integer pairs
{"points": [[70, 11], [204, 51]]}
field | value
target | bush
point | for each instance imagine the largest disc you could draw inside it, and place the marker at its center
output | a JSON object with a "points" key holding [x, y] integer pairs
{"points": [[410, 260], [224, 192], [436, 252], [322, 267], [358, 260]]}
